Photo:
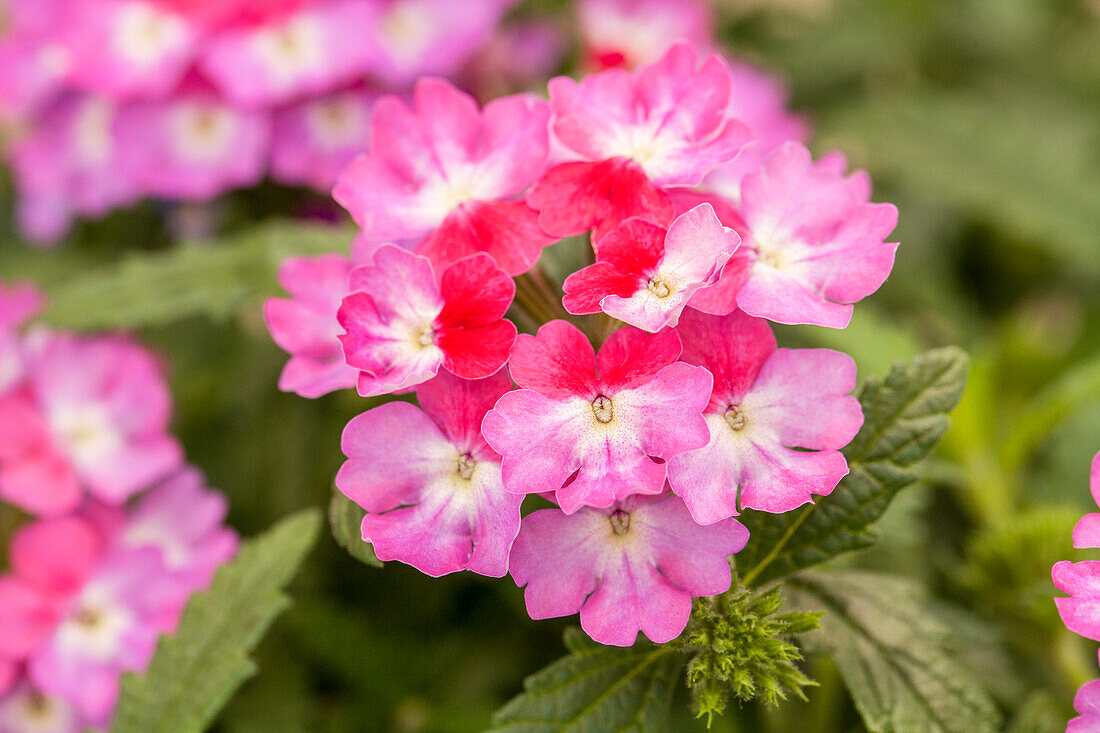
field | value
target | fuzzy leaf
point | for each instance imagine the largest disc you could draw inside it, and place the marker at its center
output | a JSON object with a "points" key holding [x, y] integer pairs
{"points": [[195, 671], [213, 279], [346, 517], [596, 689], [894, 654], [905, 414]]}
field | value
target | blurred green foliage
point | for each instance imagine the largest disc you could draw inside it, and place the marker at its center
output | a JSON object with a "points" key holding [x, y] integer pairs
{"points": [[980, 119]]}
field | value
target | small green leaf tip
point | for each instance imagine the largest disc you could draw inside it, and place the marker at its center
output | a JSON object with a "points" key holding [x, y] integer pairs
{"points": [[741, 648]]}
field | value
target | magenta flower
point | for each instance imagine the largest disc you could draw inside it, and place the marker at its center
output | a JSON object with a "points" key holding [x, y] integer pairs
{"points": [[194, 145], [306, 327], [596, 429], [306, 52], [417, 38], [666, 125], [645, 275], [634, 32], [93, 415], [1081, 610], [313, 141], [1087, 704], [448, 175], [26, 709], [17, 304], [777, 419], [811, 243], [402, 326], [430, 483], [634, 566], [128, 48]]}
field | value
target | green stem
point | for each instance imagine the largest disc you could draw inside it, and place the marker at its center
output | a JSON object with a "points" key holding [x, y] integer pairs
{"points": [[774, 553]]}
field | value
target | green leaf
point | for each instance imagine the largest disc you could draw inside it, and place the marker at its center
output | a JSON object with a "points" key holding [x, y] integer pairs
{"points": [[213, 278], [894, 654], [904, 416], [195, 671], [346, 517], [596, 689]]}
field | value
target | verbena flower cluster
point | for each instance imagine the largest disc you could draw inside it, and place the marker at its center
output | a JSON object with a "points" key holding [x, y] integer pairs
{"points": [[121, 531], [111, 101], [1081, 609], [649, 403]]}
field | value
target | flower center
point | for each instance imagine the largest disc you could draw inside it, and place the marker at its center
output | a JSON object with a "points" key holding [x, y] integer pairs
{"points": [[659, 287], [88, 618], [425, 337], [734, 417], [769, 257], [603, 409], [38, 706], [620, 522], [466, 464]]}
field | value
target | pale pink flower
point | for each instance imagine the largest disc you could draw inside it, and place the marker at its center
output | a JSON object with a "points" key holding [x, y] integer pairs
{"points": [[305, 325], [448, 174], [402, 325], [645, 275], [631, 33], [25, 709], [429, 482], [777, 419], [194, 146], [315, 140], [1087, 704], [92, 416], [630, 567], [1081, 610], [17, 304], [311, 51], [665, 125], [811, 243], [596, 429], [417, 38]]}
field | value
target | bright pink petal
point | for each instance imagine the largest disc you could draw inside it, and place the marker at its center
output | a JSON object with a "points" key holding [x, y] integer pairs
{"points": [[56, 555], [478, 352], [634, 247], [27, 616], [475, 293], [457, 406], [733, 348], [572, 198], [558, 362], [631, 357], [585, 289], [1081, 611], [508, 231]]}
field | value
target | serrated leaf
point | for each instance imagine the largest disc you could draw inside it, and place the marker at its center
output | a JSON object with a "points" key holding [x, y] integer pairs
{"points": [[596, 689], [195, 670], [212, 279], [905, 414], [346, 517], [894, 654]]}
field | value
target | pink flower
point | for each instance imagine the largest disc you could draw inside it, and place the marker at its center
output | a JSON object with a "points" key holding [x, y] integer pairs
{"points": [[194, 146], [666, 125], [1087, 704], [811, 243], [71, 163], [306, 327], [313, 141], [1081, 610], [308, 52], [184, 521], [93, 415], [645, 275], [596, 429], [777, 419], [402, 326], [33, 70], [429, 482], [26, 709], [634, 32], [634, 566], [128, 48], [17, 304], [447, 174], [418, 38]]}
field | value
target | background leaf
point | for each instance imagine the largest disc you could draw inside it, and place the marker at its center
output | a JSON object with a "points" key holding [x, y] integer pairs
{"points": [[596, 688], [894, 654], [197, 669], [346, 517], [212, 278], [904, 416]]}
